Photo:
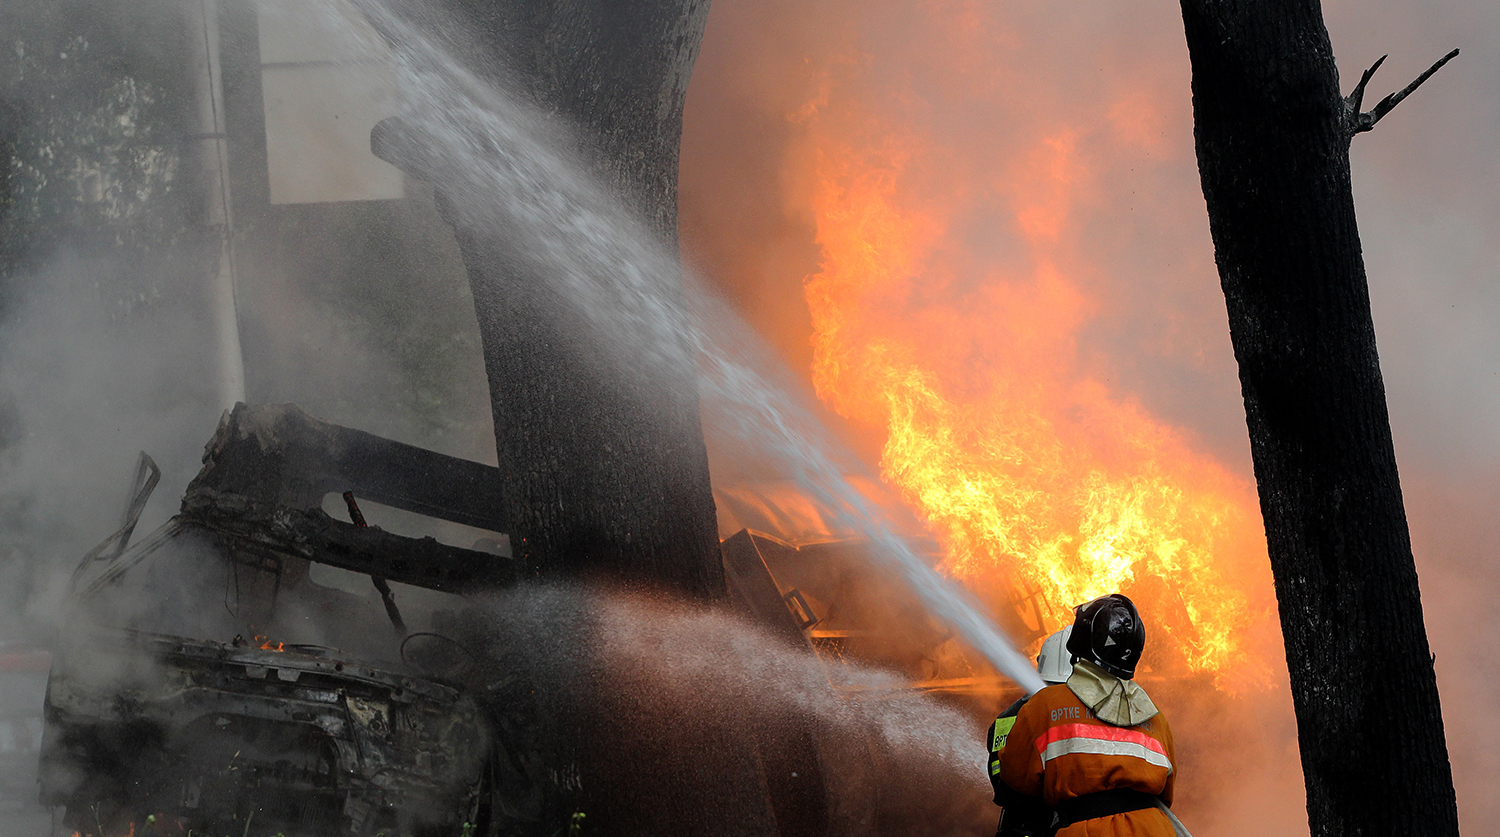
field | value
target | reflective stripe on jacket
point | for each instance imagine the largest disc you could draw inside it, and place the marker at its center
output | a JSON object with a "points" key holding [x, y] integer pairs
{"points": [[1058, 750], [998, 734]]}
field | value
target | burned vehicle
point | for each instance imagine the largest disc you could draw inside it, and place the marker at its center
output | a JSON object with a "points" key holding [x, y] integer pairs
{"points": [[257, 660], [264, 663]]}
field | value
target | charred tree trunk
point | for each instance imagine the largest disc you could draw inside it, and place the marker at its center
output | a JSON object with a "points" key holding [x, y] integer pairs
{"points": [[618, 71], [1273, 137], [604, 476]]}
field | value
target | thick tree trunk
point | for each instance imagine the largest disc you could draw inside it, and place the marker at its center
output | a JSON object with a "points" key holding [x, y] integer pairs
{"points": [[1273, 152], [605, 476]]}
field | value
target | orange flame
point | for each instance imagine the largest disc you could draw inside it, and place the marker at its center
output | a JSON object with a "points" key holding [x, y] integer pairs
{"points": [[267, 645], [1030, 470]]}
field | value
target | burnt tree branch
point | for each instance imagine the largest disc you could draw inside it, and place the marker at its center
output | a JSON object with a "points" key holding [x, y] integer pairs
{"points": [[1356, 122]]}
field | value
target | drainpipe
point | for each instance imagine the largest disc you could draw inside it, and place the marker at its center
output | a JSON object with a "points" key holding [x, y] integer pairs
{"points": [[213, 153]]}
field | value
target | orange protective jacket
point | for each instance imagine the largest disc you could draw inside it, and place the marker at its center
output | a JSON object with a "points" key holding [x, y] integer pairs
{"points": [[1058, 750]]}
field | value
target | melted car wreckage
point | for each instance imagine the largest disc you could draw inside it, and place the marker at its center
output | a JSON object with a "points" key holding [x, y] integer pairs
{"points": [[251, 661], [259, 660]]}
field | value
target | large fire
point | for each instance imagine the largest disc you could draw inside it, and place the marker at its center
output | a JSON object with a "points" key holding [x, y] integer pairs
{"points": [[953, 291], [1021, 470]]}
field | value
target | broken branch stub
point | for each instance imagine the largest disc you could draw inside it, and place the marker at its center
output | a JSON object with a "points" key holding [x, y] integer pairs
{"points": [[1356, 122]]}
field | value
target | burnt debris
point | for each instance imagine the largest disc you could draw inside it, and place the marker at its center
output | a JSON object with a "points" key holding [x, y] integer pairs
{"points": [[212, 676]]}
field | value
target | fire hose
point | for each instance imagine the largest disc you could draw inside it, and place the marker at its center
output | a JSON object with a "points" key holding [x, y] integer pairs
{"points": [[1177, 825]]}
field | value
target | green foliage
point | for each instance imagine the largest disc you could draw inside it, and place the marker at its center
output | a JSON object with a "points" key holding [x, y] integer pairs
{"points": [[95, 100]]}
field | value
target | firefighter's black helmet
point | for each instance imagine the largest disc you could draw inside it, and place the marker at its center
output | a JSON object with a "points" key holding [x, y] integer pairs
{"points": [[1108, 633]]}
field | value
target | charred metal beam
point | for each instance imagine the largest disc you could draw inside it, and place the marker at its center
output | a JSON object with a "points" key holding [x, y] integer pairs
{"points": [[277, 455], [313, 535]]}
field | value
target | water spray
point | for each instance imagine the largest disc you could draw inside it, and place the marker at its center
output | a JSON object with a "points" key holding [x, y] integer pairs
{"points": [[487, 152]]}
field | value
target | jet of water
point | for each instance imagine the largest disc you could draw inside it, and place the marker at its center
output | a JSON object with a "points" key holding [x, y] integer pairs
{"points": [[502, 171]]}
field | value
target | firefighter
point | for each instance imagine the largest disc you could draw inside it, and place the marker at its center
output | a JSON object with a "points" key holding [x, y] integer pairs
{"points": [[1026, 816], [1096, 749]]}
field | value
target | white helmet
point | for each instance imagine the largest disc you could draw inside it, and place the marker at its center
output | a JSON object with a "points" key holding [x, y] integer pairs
{"points": [[1055, 664]]}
